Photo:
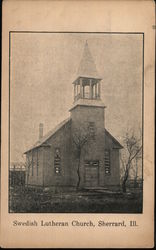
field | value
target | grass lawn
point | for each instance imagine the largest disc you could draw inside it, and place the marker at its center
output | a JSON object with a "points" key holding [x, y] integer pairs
{"points": [[31, 201]]}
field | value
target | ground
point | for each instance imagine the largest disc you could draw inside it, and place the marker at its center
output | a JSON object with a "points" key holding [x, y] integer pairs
{"points": [[23, 200]]}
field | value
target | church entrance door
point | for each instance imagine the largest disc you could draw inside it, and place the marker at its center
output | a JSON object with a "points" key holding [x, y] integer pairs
{"points": [[91, 173]]}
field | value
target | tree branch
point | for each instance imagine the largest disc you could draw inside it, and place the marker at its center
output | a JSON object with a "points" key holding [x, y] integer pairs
{"points": [[135, 154]]}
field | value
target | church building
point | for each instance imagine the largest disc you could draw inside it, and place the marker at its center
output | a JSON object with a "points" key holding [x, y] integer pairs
{"points": [[79, 152]]}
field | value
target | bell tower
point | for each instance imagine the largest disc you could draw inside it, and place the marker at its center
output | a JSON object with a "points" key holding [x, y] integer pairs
{"points": [[88, 107], [87, 84], [87, 115]]}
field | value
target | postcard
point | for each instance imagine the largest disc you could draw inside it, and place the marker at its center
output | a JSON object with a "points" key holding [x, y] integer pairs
{"points": [[77, 165]]}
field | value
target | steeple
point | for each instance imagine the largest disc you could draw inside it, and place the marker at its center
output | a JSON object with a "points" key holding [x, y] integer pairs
{"points": [[87, 84], [87, 67]]}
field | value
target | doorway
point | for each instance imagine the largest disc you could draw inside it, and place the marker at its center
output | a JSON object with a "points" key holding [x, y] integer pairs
{"points": [[91, 173]]}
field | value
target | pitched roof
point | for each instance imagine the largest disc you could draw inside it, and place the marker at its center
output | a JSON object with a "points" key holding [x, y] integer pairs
{"points": [[87, 67], [117, 144], [48, 135], [59, 126]]}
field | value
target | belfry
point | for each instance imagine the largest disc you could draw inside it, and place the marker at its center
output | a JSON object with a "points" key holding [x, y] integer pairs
{"points": [[87, 84]]}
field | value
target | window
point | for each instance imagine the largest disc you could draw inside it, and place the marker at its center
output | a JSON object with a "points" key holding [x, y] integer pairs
{"points": [[92, 130], [91, 163], [57, 161], [107, 162]]}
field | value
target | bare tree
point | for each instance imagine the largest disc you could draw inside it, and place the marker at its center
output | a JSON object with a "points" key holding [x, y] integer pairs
{"points": [[135, 169], [80, 137], [133, 149]]}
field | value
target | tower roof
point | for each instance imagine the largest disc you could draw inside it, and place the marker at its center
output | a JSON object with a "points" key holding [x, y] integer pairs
{"points": [[87, 67]]}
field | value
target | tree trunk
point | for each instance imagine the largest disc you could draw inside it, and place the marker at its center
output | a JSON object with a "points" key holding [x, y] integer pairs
{"points": [[124, 189], [136, 176], [135, 182], [124, 186], [78, 174], [78, 171]]}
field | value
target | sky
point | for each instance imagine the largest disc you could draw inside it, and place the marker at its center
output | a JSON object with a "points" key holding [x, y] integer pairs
{"points": [[43, 67]]}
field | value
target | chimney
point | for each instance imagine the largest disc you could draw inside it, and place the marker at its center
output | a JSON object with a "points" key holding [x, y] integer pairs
{"points": [[40, 130]]}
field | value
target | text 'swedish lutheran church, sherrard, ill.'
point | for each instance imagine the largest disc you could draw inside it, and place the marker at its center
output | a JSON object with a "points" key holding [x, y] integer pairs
{"points": [[79, 152]]}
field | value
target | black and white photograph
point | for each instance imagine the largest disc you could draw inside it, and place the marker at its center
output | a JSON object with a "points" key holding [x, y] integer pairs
{"points": [[76, 122], [77, 132]]}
